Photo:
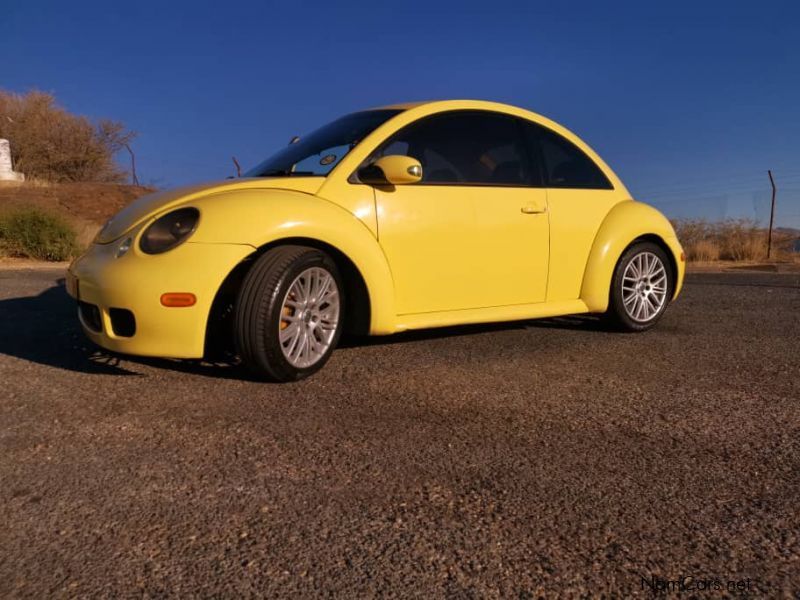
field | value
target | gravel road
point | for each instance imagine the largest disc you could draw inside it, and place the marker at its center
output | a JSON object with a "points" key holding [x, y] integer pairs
{"points": [[531, 459]]}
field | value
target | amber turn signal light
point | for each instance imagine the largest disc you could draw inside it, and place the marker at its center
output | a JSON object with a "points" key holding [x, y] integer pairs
{"points": [[683, 257], [178, 299]]}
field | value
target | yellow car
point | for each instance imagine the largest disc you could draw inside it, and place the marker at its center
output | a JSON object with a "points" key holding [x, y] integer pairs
{"points": [[403, 217]]}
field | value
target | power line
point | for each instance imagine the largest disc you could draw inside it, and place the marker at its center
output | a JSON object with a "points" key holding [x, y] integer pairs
{"points": [[708, 182], [688, 194], [698, 193], [738, 182]]}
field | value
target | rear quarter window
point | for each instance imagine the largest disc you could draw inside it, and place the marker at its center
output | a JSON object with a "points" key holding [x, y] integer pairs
{"points": [[564, 165]]}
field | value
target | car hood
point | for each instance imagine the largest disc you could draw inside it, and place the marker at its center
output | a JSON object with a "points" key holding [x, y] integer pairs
{"points": [[151, 204]]}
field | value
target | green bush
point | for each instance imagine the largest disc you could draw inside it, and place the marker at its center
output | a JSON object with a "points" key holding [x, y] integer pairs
{"points": [[32, 233]]}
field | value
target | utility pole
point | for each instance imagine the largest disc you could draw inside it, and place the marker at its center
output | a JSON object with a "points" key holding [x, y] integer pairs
{"points": [[771, 214], [134, 178]]}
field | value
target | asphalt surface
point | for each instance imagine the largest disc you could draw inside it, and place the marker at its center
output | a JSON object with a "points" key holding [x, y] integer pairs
{"points": [[548, 458]]}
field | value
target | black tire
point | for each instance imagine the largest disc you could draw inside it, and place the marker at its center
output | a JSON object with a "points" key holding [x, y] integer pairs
{"points": [[259, 307], [617, 314]]}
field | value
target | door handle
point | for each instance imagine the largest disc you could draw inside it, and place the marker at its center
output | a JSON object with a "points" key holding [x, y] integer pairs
{"points": [[530, 209]]}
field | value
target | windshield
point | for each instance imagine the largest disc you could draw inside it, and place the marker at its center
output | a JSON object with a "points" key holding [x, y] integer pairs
{"points": [[319, 152]]}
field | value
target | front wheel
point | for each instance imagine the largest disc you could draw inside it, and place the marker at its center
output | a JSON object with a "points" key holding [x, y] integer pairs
{"points": [[641, 288], [289, 313]]}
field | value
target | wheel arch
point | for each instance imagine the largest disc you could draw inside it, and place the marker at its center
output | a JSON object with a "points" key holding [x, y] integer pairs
{"points": [[358, 306], [358, 318], [626, 224], [658, 241]]}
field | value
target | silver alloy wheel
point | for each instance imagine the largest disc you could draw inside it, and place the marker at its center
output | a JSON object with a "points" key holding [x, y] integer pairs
{"points": [[644, 287], [309, 317]]}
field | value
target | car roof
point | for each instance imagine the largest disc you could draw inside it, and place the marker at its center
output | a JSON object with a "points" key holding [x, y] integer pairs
{"points": [[447, 103], [401, 105]]}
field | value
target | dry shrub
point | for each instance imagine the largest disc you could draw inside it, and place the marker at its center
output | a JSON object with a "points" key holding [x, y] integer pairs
{"points": [[733, 239], [741, 239], [48, 143], [691, 233], [703, 251], [786, 245], [698, 239]]}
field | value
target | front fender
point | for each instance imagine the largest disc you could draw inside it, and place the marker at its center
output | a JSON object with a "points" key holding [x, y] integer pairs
{"points": [[259, 217], [624, 223]]}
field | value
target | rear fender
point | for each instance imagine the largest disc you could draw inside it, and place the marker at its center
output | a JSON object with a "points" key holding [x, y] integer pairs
{"points": [[625, 223]]}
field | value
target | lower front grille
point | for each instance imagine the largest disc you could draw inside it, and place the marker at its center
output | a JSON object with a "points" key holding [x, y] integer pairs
{"points": [[122, 322], [90, 315]]}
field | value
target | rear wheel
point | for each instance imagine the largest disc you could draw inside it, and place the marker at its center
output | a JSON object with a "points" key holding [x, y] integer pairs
{"points": [[289, 313], [641, 288]]}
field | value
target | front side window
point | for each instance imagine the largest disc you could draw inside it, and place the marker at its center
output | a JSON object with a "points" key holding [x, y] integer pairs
{"points": [[464, 148], [564, 164], [320, 151]]}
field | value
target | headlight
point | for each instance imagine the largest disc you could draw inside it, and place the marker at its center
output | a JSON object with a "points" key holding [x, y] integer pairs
{"points": [[169, 231]]}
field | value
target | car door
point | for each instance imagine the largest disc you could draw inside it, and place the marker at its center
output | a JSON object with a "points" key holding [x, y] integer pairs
{"points": [[473, 233], [579, 197]]}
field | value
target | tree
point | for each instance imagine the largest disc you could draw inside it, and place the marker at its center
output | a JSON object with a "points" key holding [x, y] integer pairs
{"points": [[49, 143]]}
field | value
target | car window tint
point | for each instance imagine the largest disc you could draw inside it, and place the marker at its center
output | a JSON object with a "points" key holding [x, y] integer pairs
{"points": [[437, 169], [397, 147], [565, 165], [465, 147]]}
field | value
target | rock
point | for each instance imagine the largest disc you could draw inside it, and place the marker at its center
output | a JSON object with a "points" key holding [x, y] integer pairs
{"points": [[7, 172]]}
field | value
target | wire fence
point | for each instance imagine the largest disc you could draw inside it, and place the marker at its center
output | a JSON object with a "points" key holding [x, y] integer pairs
{"points": [[753, 206], [745, 201]]}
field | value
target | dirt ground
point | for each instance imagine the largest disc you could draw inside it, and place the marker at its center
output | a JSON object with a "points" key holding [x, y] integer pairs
{"points": [[86, 205], [550, 458]]}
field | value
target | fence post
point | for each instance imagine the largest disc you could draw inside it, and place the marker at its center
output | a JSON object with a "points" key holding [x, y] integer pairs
{"points": [[771, 215]]}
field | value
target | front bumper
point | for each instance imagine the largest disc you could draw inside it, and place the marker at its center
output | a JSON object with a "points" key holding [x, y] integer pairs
{"points": [[135, 283]]}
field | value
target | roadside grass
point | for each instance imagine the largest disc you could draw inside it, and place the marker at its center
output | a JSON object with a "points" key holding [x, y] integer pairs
{"points": [[37, 234], [738, 240]]}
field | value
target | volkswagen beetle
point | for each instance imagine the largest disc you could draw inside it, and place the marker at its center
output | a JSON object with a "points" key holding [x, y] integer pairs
{"points": [[403, 217]]}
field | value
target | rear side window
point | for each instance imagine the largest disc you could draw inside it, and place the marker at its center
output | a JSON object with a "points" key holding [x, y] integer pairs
{"points": [[465, 148], [563, 163]]}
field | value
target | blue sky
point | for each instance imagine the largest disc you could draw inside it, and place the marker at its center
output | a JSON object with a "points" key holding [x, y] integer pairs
{"points": [[690, 103]]}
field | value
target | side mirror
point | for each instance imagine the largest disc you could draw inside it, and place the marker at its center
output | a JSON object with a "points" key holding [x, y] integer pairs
{"points": [[394, 170]]}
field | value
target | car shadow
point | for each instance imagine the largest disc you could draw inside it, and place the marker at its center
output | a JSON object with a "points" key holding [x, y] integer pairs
{"points": [[44, 329], [575, 322]]}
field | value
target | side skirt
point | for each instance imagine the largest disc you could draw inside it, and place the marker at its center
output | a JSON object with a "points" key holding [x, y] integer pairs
{"points": [[492, 314]]}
